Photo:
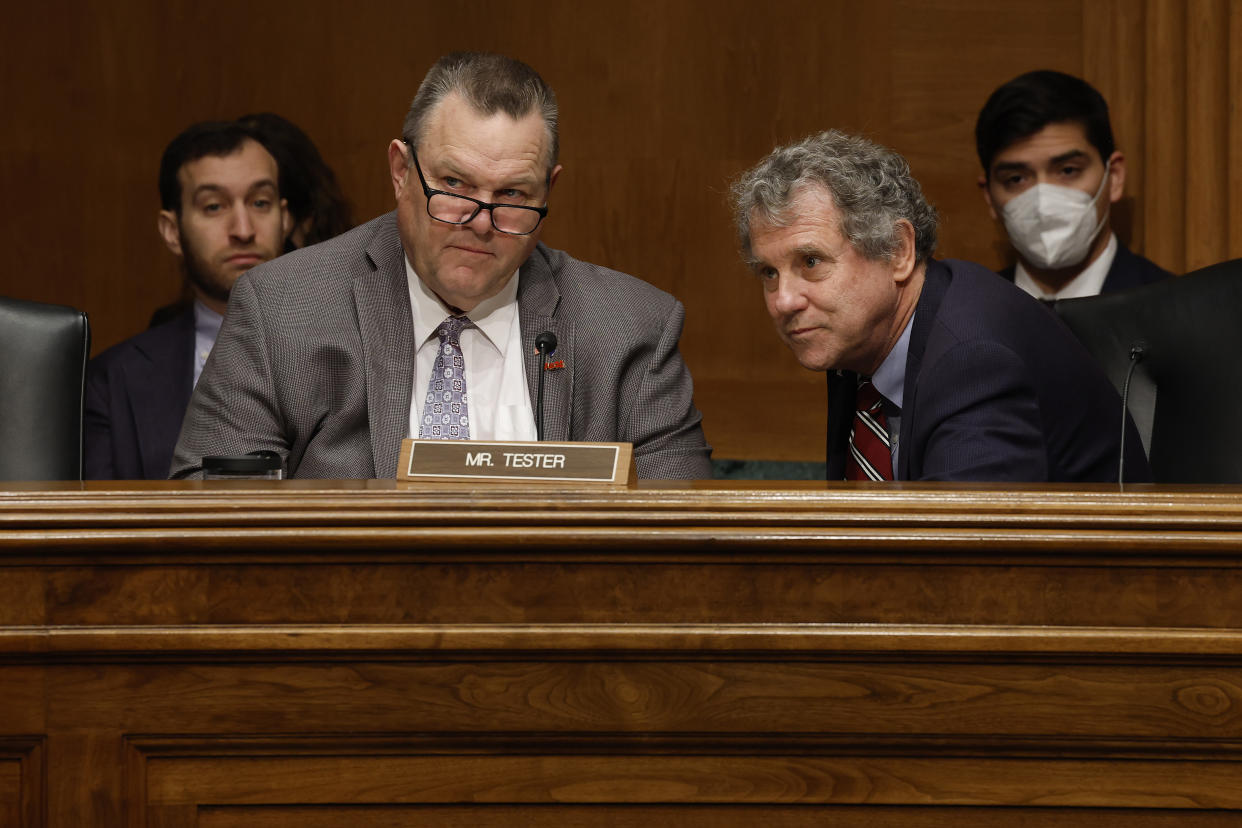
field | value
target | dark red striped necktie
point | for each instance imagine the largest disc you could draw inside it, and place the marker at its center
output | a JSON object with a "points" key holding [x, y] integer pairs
{"points": [[870, 455]]}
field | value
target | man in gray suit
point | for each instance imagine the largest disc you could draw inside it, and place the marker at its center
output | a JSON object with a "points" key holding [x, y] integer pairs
{"points": [[414, 325]]}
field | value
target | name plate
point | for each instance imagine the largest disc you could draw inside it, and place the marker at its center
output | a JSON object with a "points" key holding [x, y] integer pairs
{"points": [[476, 460]]}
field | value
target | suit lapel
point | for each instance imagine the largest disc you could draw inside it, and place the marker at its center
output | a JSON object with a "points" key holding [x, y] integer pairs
{"points": [[160, 392], [841, 392], [538, 298], [1118, 271], [935, 284], [382, 303]]}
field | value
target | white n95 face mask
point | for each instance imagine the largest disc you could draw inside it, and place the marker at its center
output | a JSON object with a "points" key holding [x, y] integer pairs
{"points": [[1053, 227]]}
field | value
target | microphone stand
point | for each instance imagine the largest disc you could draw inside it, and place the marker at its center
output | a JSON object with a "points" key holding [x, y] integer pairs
{"points": [[545, 345]]}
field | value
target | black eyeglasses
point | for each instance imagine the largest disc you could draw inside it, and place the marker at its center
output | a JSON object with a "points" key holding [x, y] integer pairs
{"points": [[450, 208]]}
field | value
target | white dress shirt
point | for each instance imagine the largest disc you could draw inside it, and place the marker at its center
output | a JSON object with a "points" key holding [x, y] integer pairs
{"points": [[206, 328], [1087, 283], [497, 395]]}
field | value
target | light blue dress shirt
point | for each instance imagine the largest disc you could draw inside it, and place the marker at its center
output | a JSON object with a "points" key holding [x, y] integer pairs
{"points": [[890, 380]]}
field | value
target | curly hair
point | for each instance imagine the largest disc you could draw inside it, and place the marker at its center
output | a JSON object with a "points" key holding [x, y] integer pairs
{"points": [[870, 185]]}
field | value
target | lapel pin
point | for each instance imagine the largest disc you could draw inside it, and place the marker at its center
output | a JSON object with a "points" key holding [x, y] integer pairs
{"points": [[553, 366]]}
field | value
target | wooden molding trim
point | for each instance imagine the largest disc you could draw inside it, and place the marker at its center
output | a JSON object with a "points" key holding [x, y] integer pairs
{"points": [[657, 641], [333, 519], [23, 783]]}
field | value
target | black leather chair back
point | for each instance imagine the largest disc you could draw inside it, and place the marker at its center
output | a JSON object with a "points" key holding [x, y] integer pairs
{"points": [[1187, 391], [43, 354]]}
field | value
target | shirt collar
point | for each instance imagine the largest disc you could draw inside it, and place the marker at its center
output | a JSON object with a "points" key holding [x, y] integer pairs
{"points": [[206, 322], [1087, 283], [890, 378], [493, 316]]}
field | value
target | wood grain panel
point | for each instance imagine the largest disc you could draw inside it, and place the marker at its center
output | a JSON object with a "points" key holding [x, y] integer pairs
{"points": [[21, 595], [1207, 136], [168, 553], [22, 782], [1114, 62], [605, 696], [131, 595], [947, 56], [607, 779], [1234, 176], [85, 780], [165, 686], [829, 590], [173, 816], [10, 792], [1164, 195], [21, 704], [704, 816], [738, 416]]}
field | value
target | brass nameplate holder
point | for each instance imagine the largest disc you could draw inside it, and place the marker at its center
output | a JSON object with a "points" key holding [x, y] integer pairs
{"points": [[476, 460]]}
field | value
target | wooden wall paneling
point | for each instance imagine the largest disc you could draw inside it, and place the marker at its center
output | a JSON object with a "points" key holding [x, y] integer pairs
{"points": [[23, 754], [380, 554], [662, 105], [85, 770], [739, 781], [23, 778], [947, 57], [1207, 124], [817, 700], [705, 816], [821, 588], [21, 711], [740, 415], [705, 99], [955, 690], [10, 791], [982, 730], [21, 595], [1164, 193], [139, 813], [1114, 62], [1234, 147], [588, 656]]}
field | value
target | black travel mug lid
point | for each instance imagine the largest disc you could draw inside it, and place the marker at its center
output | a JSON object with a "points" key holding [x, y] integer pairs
{"points": [[256, 462]]}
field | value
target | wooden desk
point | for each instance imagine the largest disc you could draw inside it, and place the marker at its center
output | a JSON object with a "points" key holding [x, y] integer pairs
{"points": [[314, 654]]}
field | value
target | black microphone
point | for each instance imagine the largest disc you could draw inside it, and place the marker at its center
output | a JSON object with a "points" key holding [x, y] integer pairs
{"points": [[545, 344], [1138, 352]]}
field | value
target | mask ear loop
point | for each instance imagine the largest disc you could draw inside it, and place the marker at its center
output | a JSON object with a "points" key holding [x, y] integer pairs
{"points": [[1108, 171]]}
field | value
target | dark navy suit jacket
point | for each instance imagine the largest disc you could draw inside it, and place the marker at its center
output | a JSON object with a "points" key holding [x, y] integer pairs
{"points": [[136, 396], [1128, 270], [996, 389]]}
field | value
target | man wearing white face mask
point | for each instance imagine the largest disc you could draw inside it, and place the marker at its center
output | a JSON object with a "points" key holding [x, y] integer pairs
{"points": [[1051, 174]]}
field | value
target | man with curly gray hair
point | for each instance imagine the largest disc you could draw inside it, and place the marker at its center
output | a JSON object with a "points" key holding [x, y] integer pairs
{"points": [[937, 370]]}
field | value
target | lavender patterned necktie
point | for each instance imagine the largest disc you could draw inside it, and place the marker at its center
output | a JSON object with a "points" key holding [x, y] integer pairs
{"points": [[446, 415]]}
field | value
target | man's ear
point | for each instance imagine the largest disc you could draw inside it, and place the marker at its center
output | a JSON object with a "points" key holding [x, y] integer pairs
{"points": [[987, 196], [1117, 176], [398, 165], [286, 219], [170, 230], [552, 176], [904, 257]]}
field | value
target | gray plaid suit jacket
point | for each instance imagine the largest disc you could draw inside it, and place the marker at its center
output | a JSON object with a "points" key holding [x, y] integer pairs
{"points": [[315, 362]]}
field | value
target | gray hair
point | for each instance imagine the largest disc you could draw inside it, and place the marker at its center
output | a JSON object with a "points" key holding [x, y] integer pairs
{"points": [[490, 83], [870, 185]]}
